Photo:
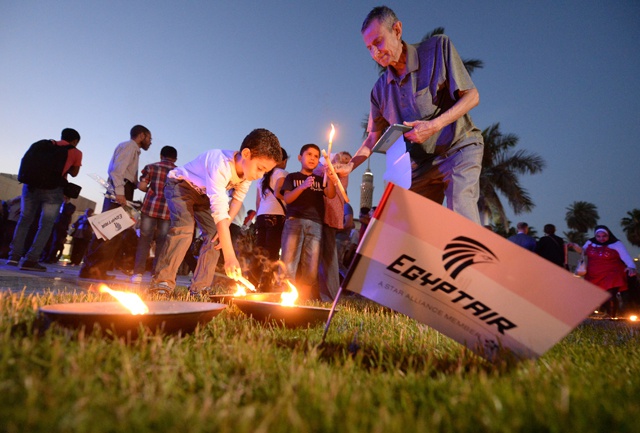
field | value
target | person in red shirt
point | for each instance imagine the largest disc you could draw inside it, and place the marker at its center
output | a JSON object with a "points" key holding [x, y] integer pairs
{"points": [[608, 264], [45, 205]]}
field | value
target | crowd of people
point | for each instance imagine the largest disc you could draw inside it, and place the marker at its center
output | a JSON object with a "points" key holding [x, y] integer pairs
{"points": [[204, 194], [304, 228], [607, 263]]}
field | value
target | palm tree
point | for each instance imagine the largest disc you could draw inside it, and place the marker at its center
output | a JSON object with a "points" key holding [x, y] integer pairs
{"points": [[575, 237], [582, 216], [501, 166], [470, 64], [631, 226]]}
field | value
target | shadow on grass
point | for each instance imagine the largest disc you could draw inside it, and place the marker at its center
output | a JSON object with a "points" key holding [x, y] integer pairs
{"points": [[370, 357]]}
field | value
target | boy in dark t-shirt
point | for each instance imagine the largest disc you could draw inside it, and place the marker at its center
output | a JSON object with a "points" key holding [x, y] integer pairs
{"points": [[304, 195]]}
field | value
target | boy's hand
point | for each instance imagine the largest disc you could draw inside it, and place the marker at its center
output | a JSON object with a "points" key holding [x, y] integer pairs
{"points": [[308, 182], [232, 268], [216, 242]]}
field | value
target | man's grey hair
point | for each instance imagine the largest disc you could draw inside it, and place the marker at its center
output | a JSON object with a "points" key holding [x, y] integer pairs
{"points": [[383, 14]]}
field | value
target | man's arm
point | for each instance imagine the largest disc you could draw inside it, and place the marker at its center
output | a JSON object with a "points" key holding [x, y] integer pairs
{"points": [[348, 217], [365, 150], [74, 170], [143, 185], [76, 161], [423, 129], [145, 179], [121, 159]]}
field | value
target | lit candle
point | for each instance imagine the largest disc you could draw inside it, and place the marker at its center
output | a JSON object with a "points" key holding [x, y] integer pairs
{"points": [[327, 158], [246, 282], [338, 184]]}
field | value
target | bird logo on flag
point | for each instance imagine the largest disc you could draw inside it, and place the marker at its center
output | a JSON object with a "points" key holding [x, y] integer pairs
{"points": [[462, 252]]}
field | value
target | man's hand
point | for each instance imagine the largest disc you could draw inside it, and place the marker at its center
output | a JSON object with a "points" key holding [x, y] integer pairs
{"points": [[121, 200], [422, 130]]}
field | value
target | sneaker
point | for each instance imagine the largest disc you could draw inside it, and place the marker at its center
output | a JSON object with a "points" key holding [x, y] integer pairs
{"points": [[12, 262], [30, 265], [160, 289], [204, 293], [136, 278]]}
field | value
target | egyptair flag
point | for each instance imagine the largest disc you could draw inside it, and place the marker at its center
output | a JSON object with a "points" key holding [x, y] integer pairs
{"points": [[421, 259]]}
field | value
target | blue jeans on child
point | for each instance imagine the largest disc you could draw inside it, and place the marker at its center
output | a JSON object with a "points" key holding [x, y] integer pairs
{"points": [[150, 226], [301, 254]]}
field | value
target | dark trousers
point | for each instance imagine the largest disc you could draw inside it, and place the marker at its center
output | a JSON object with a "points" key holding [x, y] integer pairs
{"points": [[78, 248], [268, 242], [100, 253]]}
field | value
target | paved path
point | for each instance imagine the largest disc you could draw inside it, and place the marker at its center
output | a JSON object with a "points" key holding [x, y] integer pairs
{"points": [[62, 278]]}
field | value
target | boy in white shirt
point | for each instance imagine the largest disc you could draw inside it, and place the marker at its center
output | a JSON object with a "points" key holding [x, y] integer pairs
{"points": [[197, 193]]}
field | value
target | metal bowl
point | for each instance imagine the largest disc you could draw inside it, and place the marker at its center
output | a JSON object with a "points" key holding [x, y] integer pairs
{"points": [[266, 307], [224, 298], [165, 316]]}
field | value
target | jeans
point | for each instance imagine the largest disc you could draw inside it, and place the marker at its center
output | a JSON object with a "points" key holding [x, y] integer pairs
{"points": [[186, 207], [329, 270], [36, 202], [150, 228], [456, 178], [78, 248], [301, 254], [101, 254]]}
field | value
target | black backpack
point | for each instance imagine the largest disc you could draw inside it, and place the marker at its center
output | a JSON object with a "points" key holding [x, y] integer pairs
{"points": [[42, 165]]}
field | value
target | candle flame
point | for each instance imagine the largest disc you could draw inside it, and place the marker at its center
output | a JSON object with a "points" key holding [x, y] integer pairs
{"points": [[130, 301], [331, 134], [288, 299], [245, 282]]}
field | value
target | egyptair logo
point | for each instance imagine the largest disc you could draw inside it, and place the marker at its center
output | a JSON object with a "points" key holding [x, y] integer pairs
{"points": [[463, 252], [118, 226]]}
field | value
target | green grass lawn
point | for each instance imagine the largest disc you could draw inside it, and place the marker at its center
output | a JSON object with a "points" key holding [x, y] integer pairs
{"points": [[378, 371]]}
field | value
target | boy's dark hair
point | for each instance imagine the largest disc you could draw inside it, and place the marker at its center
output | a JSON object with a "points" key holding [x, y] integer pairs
{"points": [[304, 148], [549, 229], [69, 135], [383, 14], [169, 152], [365, 211], [137, 130], [263, 144]]}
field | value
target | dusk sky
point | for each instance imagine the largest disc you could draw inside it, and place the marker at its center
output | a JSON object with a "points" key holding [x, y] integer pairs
{"points": [[202, 74]]}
